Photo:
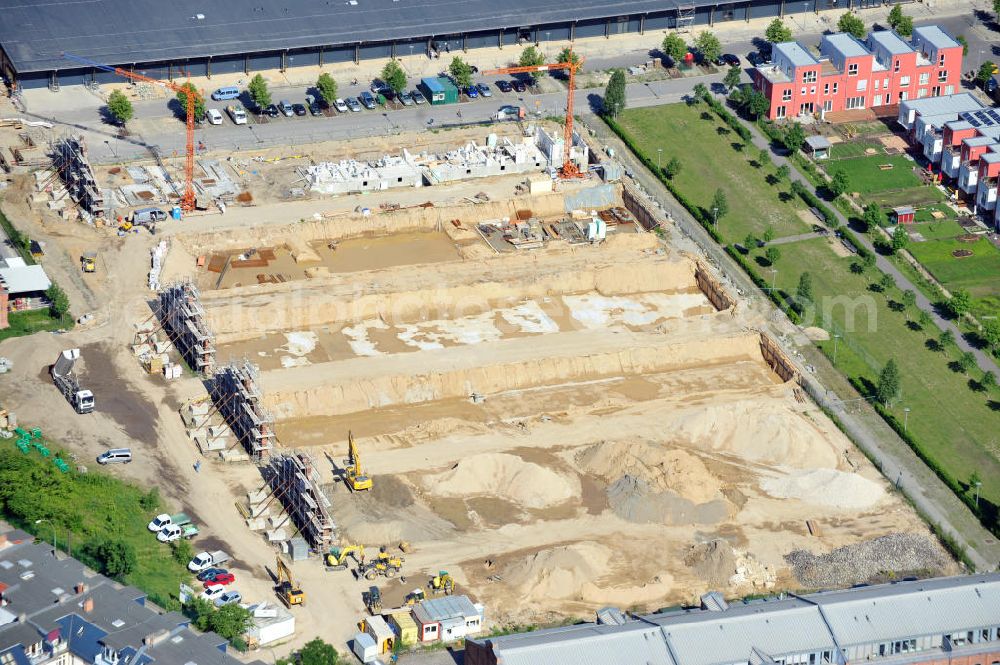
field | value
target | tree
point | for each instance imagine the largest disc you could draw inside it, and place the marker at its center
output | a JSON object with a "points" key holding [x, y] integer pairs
{"points": [[614, 94], [946, 338], [394, 76], [700, 91], [199, 611], [229, 621], [116, 558], [887, 388], [839, 183], [985, 73], [675, 47], [763, 157], [794, 138], [461, 71], [569, 55], [720, 206], [899, 238], [181, 550], [773, 255], [873, 216], [782, 173], [531, 57], [672, 168], [991, 333], [749, 242], [909, 298], [327, 88], [58, 301], [708, 45], [960, 302], [886, 281], [965, 44], [150, 501], [199, 100], [768, 234], [757, 103], [996, 9], [905, 26], [778, 32], [732, 77], [967, 361], [852, 24], [259, 92], [989, 380], [804, 291], [120, 107], [868, 260], [317, 652], [895, 16], [925, 319]]}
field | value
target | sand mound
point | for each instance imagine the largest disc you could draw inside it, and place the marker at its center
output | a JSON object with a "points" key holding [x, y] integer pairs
{"points": [[560, 572], [713, 561], [826, 487], [757, 430], [632, 499], [661, 467], [507, 477]]}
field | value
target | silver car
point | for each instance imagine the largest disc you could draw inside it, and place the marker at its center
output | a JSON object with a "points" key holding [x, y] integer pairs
{"points": [[340, 105], [353, 104], [406, 98], [417, 96], [285, 107]]}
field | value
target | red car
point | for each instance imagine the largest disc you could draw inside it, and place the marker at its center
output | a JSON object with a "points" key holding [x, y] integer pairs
{"points": [[223, 579]]}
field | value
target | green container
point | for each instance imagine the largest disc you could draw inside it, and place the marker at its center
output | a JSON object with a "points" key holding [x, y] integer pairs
{"points": [[438, 90]]}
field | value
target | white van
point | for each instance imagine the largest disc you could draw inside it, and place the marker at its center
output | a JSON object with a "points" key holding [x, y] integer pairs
{"points": [[213, 116], [115, 456], [229, 92]]}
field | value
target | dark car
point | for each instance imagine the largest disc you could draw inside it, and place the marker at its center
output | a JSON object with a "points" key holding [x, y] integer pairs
{"points": [[210, 573], [504, 86], [518, 86], [730, 59], [316, 108], [367, 100], [298, 109], [271, 111]]}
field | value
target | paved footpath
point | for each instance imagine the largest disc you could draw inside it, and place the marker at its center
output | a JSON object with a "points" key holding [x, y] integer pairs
{"points": [[895, 459]]}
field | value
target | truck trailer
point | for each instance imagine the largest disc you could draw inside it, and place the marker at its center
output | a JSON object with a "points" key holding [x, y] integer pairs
{"points": [[68, 383]]}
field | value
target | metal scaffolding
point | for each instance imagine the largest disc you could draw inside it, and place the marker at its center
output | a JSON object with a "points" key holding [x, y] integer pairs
{"points": [[237, 396], [296, 483], [183, 319], [685, 16], [76, 172]]}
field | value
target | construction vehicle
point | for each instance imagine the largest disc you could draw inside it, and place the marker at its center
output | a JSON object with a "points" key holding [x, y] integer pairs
{"points": [[385, 565], [190, 94], [336, 558], [288, 590], [68, 383], [373, 600], [354, 474], [415, 596], [88, 262], [443, 582], [569, 168]]}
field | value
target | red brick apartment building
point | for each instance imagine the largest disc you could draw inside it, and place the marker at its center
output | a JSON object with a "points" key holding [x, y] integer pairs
{"points": [[851, 74]]}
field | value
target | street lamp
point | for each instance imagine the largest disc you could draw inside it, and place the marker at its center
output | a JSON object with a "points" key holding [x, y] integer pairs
{"points": [[659, 152], [836, 340], [906, 416], [774, 277], [52, 524], [979, 484], [715, 217]]}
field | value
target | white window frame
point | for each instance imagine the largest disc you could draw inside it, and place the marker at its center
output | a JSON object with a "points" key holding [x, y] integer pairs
{"points": [[924, 78], [809, 77], [786, 95], [904, 81], [852, 69]]}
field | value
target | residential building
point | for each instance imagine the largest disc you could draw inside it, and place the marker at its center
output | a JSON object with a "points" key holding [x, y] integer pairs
{"points": [[56, 611], [953, 620], [850, 74]]}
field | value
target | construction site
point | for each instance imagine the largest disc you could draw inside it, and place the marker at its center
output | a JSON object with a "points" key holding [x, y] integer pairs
{"points": [[534, 384]]}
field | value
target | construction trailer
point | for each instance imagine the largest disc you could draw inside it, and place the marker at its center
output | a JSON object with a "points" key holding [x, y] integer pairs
{"points": [[182, 316], [77, 174], [237, 396], [447, 619], [438, 90], [295, 481]]}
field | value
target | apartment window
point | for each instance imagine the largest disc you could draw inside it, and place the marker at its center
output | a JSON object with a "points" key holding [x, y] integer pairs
{"points": [[943, 75], [826, 88], [888, 99], [835, 86], [941, 60], [779, 112], [828, 105], [812, 90], [904, 81], [862, 85], [852, 69], [925, 78], [922, 92], [856, 102], [877, 84], [803, 90], [786, 95], [903, 96], [949, 90], [809, 77], [895, 66]]}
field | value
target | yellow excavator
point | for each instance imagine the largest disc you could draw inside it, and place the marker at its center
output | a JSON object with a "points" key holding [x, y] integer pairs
{"points": [[336, 558], [354, 474], [288, 590], [88, 262], [443, 582]]}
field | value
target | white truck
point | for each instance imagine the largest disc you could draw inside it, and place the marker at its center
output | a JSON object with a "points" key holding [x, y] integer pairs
{"points": [[160, 521], [68, 383], [173, 532], [203, 560], [237, 113]]}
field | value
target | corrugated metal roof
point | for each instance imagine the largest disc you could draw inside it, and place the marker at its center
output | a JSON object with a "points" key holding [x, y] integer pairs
{"points": [[878, 614], [24, 279], [795, 53], [446, 607], [890, 41], [632, 644], [934, 36]]}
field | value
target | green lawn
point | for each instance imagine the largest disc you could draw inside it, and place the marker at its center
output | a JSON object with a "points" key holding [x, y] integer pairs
{"points": [[866, 176], [32, 321], [923, 214], [709, 162], [847, 150], [956, 437], [92, 507], [979, 273]]}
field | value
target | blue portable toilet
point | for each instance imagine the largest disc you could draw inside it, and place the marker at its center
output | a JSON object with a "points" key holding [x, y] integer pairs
{"points": [[176, 212]]}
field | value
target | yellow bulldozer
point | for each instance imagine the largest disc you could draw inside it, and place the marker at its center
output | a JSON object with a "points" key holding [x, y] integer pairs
{"points": [[443, 582], [384, 564], [287, 588], [88, 262], [336, 558], [354, 474]]}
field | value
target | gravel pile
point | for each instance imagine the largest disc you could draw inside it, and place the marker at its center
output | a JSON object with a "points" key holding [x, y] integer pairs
{"points": [[861, 562]]}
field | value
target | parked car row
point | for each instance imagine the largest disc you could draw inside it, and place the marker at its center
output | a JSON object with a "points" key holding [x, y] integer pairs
{"points": [[169, 528]]}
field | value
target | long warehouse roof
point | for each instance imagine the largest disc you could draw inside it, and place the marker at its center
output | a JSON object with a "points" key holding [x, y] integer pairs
{"points": [[35, 34]]}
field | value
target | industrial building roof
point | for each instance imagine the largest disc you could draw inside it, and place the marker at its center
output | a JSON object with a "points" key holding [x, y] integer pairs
{"points": [[35, 34], [845, 44], [634, 642], [24, 279], [934, 36], [795, 53], [890, 41]]}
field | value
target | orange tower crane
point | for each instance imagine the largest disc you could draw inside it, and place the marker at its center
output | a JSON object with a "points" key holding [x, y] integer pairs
{"points": [[191, 94], [569, 169]]}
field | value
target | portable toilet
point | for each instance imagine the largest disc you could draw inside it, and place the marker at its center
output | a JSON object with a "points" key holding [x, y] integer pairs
{"points": [[364, 648], [176, 212], [380, 632], [405, 628]]}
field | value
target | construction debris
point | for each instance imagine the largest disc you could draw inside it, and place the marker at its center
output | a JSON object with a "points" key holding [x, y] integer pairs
{"points": [[864, 561]]}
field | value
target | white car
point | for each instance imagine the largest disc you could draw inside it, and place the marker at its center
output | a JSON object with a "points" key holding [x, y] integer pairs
{"points": [[213, 591], [340, 105], [213, 116], [169, 533], [159, 522]]}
